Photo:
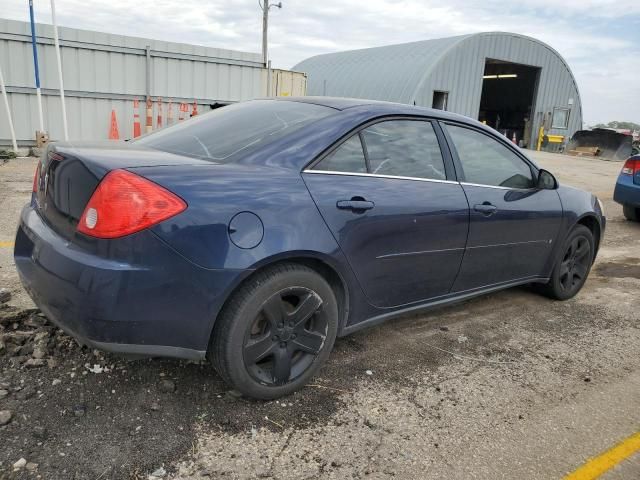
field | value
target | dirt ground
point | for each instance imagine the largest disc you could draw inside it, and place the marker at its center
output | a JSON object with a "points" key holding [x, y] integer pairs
{"points": [[511, 385]]}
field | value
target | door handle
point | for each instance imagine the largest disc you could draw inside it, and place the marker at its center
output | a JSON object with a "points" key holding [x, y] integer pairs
{"points": [[486, 208], [355, 204]]}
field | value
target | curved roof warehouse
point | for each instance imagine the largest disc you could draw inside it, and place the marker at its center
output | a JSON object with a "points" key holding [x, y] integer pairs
{"points": [[512, 82]]}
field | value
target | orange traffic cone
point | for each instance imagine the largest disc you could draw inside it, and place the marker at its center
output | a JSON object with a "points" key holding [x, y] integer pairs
{"points": [[113, 131], [170, 113], [149, 125], [136, 119], [513, 139], [194, 112], [181, 112], [159, 121]]}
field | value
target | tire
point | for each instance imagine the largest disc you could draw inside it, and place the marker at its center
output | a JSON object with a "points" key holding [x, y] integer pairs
{"points": [[631, 213], [275, 332], [573, 265]]}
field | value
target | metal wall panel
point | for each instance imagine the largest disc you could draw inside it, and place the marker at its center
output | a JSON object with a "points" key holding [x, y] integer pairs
{"points": [[104, 72], [462, 69], [285, 83], [409, 73]]}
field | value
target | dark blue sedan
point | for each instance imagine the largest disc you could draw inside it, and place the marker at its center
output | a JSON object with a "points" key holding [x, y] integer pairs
{"points": [[256, 234], [627, 191]]}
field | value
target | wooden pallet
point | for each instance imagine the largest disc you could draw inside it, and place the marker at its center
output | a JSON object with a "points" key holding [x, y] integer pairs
{"points": [[585, 152]]}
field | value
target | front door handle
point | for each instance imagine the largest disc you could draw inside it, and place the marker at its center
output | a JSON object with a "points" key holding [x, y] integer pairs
{"points": [[355, 204], [486, 208]]}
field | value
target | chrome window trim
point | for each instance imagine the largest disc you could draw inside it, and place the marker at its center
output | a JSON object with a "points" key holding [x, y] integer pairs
{"points": [[497, 187], [398, 177], [376, 175]]}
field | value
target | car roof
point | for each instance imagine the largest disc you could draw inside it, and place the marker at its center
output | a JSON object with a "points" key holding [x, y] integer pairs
{"points": [[379, 107], [363, 110], [338, 103]]}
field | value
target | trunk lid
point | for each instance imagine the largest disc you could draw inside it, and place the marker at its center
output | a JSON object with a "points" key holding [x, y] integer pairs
{"points": [[70, 172]]}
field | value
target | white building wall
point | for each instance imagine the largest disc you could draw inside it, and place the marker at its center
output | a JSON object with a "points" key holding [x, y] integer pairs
{"points": [[102, 72]]}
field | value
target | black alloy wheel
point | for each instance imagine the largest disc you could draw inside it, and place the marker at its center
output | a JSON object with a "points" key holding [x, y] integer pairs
{"points": [[575, 263], [275, 332], [285, 337], [572, 265]]}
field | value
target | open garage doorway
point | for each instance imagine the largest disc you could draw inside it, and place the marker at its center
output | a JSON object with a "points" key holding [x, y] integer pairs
{"points": [[508, 96]]}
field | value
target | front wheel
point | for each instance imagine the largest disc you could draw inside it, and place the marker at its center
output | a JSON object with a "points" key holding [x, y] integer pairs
{"points": [[631, 213], [573, 266], [275, 332]]}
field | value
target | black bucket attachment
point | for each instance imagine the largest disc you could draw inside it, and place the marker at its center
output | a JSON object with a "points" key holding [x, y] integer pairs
{"points": [[600, 142]]}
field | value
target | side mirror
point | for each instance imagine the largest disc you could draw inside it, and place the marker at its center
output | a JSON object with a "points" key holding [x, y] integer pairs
{"points": [[546, 180]]}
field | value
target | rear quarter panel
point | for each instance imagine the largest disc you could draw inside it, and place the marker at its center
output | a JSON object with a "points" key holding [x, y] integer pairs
{"points": [[293, 226], [216, 193]]}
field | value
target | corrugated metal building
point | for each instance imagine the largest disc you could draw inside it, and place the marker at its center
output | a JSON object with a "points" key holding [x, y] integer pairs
{"points": [[102, 72], [512, 82]]}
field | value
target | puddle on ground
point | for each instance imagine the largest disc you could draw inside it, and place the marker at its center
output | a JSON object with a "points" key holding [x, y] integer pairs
{"points": [[618, 270]]}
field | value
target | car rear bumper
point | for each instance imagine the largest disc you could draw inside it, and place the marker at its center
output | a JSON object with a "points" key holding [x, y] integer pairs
{"points": [[134, 296], [627, 192]]}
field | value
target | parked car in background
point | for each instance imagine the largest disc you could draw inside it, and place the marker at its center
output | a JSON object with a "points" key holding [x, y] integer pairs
{"points": [[256, 234], [627, 191]]}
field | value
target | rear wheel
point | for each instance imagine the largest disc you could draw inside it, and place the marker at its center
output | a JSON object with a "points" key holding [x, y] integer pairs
{"points": [[631, 213], [275, 332], [573, 266]]}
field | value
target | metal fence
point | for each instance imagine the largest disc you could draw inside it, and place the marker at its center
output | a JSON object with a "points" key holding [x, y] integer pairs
{"points": [[104, 72]]}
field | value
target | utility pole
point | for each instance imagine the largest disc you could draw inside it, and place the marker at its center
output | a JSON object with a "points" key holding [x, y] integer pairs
{"points": [[265, 6]]}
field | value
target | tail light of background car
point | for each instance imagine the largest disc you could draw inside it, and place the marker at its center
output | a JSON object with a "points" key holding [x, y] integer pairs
{"points": [[125, 203], [631, 166]]}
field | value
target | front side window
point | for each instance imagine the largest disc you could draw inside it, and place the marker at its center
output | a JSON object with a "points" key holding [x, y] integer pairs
{"points": [[405, 148], [485, 161]]}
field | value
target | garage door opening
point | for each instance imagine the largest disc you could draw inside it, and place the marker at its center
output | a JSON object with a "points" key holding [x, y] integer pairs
{"points": [[507, 102]]}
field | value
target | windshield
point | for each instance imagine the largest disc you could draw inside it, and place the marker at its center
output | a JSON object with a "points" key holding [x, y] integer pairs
{"points": [[226, 133]]}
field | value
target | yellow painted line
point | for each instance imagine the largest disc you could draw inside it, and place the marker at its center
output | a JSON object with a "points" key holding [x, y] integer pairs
{"points": [[596, 466], [6, 244]]}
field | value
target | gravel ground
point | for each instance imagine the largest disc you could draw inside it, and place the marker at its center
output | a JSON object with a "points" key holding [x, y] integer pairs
{"points": [[511, 385]]}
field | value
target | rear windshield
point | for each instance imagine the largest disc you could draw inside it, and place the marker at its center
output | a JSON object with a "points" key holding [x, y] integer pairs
{"points": [[225, 134]]}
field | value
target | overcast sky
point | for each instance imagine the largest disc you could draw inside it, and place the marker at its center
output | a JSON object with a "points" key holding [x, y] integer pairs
{"points": [[599, 39]]}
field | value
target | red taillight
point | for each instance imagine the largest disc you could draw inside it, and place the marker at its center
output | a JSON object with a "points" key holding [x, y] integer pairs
{"points": [[125, 203], [631, 166], [36, 178]]}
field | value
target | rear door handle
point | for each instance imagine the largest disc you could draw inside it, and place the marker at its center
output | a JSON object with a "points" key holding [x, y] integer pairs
{"points": [[485, 208], [354, 205]]}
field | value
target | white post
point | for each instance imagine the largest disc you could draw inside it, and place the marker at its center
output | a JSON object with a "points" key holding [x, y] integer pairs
{"points": [[6, 105], [57, 45], [40, 115], [36, 69], [269, 78]]}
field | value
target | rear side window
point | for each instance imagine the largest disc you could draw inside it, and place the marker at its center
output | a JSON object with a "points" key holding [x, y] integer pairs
{"points": [[398, 148], [348, 157], [485, 161], [406, 148], [225, 134]]}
